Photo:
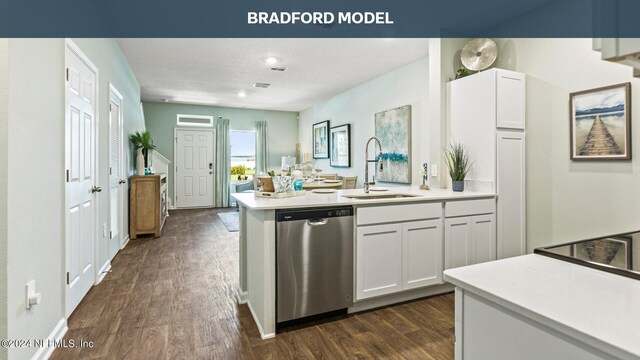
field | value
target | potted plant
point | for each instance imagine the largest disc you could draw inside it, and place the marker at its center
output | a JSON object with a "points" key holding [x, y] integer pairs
{"points": [[459, 165], [143, 143]]}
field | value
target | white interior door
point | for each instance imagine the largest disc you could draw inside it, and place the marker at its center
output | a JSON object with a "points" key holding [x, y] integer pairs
{"points": [[81, 174], [116, 172], [194, 168]]}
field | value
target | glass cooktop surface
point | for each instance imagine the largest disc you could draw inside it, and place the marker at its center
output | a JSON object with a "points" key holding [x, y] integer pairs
{"points": [[618, 254]]}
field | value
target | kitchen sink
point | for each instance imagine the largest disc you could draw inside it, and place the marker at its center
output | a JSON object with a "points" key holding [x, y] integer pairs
{"points": [[380, 196]]}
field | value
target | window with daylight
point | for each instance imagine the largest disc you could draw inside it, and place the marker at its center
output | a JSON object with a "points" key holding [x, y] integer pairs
{"points": [[243, 154]]}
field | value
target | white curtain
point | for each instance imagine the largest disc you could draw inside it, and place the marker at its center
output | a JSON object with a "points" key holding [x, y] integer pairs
{"points": [[262, 148], [223, 164]]}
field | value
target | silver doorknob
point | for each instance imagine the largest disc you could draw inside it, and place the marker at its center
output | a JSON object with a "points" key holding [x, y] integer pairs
{"points": [[122, 181], [96, 189]]}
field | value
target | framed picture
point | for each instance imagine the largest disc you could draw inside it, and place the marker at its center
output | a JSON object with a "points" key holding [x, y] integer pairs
{"points": [[393, 129], [601, 123], [321, 140], [340, 146]]}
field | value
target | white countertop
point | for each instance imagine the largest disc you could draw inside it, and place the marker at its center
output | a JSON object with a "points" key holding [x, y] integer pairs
{"points": [[593, 306], [311, 199]]}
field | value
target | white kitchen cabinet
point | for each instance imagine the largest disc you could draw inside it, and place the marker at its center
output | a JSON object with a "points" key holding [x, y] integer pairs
{"points": [[511, 202], [378, 260], [469, 240], [401, 255], [421, 253], [469, 232], [487, 115]]}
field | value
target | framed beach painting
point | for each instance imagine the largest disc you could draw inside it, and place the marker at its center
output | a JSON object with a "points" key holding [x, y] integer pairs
{"points": [[340, 154], [321, 140], [601, 123], [393, 129]]}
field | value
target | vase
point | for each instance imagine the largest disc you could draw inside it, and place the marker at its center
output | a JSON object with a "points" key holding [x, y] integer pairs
{"points": [[458, 185], [147, 157], [140, 163]]}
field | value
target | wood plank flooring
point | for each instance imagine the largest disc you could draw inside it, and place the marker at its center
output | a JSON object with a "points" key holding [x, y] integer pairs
{"points": [[173, 298]]}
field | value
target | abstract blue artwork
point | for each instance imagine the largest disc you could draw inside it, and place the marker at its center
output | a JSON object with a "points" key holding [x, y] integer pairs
{"points": [[393, 129]]}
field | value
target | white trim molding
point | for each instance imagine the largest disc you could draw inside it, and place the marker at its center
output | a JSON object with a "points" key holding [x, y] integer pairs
{"points": [[263, 336], [125, 242], [104, 270], [56, 335]]}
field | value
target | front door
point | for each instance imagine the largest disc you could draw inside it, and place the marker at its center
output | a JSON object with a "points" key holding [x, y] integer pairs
{"points": [[116, 172], [81, 180], [194, 168]]}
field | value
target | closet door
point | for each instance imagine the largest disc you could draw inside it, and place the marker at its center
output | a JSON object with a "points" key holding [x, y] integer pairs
{"points": [[511, 190]]}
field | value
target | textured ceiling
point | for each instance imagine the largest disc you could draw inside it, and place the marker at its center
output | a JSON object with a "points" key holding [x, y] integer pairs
{"points": [[213, 71]]}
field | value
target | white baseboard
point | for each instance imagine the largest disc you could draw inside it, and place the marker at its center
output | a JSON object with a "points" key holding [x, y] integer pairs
{"points": [[56, 335], [103, 272], [125, 242], [380, 301], [263, 336], [241, 296]]}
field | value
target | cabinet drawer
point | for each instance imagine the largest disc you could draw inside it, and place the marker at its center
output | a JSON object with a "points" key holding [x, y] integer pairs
{"points": [[469, 207], [397, 213]]}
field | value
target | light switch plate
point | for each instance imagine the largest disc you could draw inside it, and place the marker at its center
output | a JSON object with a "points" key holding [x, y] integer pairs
{"points": [[434, 170]]}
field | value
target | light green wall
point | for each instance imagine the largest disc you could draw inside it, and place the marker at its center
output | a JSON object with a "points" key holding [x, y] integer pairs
{"points": [[36, 171], [407, 85], [4, 67], [282, 130], [568, 200]]}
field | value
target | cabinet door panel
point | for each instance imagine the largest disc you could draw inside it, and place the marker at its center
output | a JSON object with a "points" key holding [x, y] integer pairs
{"points": [[421, 254], [510, 100], [378, 260], [511, 187], [456, 242], [484, 238]]}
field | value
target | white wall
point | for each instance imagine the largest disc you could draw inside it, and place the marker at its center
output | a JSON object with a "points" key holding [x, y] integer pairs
{"points": [[35, 196], [407, 85], [568, 200], [36, 168], [3, 189]]}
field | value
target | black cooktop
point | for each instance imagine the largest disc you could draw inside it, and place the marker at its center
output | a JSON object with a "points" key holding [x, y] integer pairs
{"points": [[618, 254]]}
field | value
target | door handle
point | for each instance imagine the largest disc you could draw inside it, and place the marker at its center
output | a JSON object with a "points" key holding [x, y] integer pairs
{"points": [[210, 165], [122, 181], [96, 189], [318, 222]]}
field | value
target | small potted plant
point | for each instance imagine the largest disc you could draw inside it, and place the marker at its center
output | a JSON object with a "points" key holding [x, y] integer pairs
{"points": [[143, 143], [459, 165]]}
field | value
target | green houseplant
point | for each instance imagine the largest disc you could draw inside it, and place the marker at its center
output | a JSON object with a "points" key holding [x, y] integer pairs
{"points": [[143, 141], [457, 159]]}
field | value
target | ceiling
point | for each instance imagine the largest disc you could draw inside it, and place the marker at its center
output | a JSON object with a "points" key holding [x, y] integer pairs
{"points": [[214, 71]]}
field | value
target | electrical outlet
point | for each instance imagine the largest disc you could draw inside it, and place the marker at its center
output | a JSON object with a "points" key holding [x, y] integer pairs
{"points": [[434, 170], [104, 230]]}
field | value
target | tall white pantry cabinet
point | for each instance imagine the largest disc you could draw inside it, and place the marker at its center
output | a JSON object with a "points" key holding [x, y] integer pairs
{"points": [[486, 114]]}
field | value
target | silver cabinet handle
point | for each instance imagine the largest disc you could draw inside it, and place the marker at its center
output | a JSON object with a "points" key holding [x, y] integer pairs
{"points": [[96, 189]]}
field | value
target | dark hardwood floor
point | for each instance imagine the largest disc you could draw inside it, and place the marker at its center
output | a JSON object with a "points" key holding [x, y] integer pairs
{"points": [[172, 298]]}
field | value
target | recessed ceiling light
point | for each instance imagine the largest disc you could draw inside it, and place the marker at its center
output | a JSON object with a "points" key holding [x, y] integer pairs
{"points": [[242, 94], [271, 60], [165, 100]]}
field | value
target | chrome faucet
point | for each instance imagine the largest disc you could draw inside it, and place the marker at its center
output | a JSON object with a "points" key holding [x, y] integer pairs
{"points": [[367, 161]]}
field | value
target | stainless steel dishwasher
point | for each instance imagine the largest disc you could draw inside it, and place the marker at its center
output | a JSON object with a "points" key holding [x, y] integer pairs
{"points": [[314, 261]]}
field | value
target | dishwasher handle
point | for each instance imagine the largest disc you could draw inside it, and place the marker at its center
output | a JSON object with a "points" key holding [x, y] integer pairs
{"points": [[318, 222]]}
